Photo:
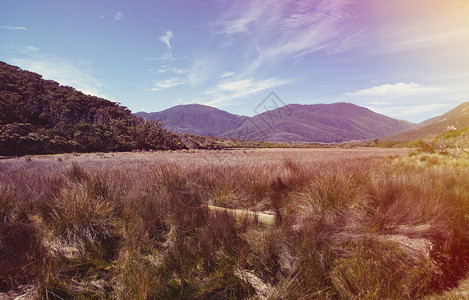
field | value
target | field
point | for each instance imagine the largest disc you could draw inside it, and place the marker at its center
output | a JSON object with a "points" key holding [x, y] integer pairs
{"points": [[297, 224]]}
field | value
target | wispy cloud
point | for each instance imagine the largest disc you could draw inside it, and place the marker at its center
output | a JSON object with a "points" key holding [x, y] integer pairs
{"points": [[166, 56], [238, 18], [201, 71], [118, 16], [22, 49], [288, 29], [260, 38], [179, 71], [410, 110], [167, 83], [400, 89], [64, 72], [13, 27], [166, 39], [408, 100], [227, 74], [225, 92]]}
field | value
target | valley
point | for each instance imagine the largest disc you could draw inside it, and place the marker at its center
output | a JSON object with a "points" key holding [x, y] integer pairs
{"points": [[272, 223]]}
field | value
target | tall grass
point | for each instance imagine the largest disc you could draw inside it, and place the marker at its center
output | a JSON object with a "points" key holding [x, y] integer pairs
{"points": [[350, 224]]}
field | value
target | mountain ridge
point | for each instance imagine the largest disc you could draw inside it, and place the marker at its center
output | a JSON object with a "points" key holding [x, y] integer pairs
{"points": [[209, 121], [297, 123], [457, 118]]}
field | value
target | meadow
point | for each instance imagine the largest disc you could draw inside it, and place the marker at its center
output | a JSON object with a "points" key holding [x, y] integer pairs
{"points": [[366, 223]]}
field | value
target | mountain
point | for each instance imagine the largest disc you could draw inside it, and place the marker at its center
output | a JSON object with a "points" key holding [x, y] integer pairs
{"points": [[196, 119], [457, 118], [40, 116], [326, 123]]}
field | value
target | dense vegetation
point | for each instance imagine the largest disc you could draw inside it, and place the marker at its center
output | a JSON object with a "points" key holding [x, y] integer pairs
{"points": [[40, 116], [348, 224]]}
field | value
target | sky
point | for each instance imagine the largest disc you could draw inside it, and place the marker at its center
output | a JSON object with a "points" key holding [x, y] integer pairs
{"points": [[407, 59]]}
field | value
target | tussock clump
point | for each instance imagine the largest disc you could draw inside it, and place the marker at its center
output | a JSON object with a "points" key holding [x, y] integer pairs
{"points": [[80, 220], [78, 173], [380, 270], [345, 224], [21, 254], [148, 222], [6, 203], [21, 251]]}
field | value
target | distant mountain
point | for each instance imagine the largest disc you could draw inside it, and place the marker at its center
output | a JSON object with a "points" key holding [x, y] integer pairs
{"points": [[196, 119], [457, 118], [326, 123]]}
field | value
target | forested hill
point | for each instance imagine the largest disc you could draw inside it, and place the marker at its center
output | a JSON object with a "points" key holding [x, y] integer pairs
{"points": [[41, 116]]}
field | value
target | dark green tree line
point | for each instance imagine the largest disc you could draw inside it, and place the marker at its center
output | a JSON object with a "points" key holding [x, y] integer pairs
{"points": [[40, 116]]}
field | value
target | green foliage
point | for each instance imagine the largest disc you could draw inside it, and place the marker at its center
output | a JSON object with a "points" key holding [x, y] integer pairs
{"points": [[454, 133], [39, 116], [452, 142]]}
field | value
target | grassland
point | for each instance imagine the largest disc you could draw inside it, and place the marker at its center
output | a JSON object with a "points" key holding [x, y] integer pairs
{"points": [[346, 224]]}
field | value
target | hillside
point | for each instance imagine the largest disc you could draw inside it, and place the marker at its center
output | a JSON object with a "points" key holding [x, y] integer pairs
{"points": [[196, 119], [325, 123], [457, 118], [40, 116]]}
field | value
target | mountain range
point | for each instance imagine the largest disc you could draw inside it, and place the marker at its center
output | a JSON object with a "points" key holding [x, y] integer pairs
{"points": [[293, 123], [41, 116]]}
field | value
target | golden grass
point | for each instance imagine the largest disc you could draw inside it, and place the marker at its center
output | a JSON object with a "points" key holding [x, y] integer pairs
{"points": [[271, 223]]}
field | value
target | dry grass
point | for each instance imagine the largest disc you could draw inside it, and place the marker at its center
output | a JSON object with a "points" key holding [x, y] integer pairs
{"points": [[290, 224]]}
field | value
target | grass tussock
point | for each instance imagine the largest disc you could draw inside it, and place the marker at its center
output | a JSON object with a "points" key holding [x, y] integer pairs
{"points": [[349, 224]]}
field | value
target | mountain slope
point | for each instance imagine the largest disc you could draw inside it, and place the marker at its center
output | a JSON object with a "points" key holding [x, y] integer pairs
{"points": [[325, 123], [41, 116], [196, 119], [457, 117]]}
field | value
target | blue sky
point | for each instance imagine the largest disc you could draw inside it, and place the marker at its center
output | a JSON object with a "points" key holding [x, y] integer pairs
{"points": [[405, 59]]}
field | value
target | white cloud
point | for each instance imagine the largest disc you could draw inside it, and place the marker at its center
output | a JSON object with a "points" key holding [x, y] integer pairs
{"points": [[13, 27], [165, 69], [227, 74], [288, 29], [240, 22], [236, 85], [166, 39], [411, 111], [400, 89], [168, 83], [166, 56], [22, 49], [377, 103], [225, 92], [64, 73], [179, 71], [118, 16], [202, 70]]}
